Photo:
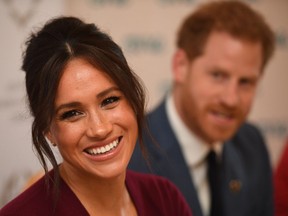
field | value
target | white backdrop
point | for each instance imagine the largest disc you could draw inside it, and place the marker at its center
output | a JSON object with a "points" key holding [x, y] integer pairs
{"points": [[145, 29]]}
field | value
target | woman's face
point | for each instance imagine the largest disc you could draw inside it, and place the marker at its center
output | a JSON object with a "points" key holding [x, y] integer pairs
{"points": [[94, 125]]}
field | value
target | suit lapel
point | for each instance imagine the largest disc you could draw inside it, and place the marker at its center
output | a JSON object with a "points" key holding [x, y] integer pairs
{"points": [[234, 184], [169, 158]]}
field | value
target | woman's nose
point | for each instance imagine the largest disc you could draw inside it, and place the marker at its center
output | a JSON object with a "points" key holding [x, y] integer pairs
{"points": [[98, 126]]}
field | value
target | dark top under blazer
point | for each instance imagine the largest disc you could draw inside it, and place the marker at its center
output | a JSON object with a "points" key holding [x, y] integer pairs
{"points": [[245, 159]]}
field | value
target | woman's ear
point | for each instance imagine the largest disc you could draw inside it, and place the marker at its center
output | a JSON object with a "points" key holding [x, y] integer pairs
{"points": [[49, 136], [180, 65]]}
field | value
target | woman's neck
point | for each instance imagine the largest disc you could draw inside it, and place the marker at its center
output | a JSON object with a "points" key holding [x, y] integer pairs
{"points": [[101, 196]]}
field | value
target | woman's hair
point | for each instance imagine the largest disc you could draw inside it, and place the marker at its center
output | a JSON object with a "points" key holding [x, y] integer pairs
{"points": [[48, 52], [233, 17]]}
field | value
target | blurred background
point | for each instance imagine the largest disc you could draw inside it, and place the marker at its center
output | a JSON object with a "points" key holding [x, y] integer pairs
{"points": [[145, 29]]}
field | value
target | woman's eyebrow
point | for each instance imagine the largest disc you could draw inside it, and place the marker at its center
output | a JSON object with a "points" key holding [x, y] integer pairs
{"points": [[67, 105], [107, 91]]}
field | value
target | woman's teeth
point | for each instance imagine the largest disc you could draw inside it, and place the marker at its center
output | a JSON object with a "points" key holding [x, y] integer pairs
{"points": [[103, 149]]}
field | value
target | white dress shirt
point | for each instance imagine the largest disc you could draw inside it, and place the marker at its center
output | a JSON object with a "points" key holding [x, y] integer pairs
{"points": [[195, 152]]}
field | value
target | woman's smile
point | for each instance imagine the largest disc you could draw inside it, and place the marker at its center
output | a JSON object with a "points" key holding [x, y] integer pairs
{"points": [[98, 153], [100, 150]]}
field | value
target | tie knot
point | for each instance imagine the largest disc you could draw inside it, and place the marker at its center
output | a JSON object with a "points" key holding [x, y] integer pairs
{"points": [[212, 157], [212, 154]]}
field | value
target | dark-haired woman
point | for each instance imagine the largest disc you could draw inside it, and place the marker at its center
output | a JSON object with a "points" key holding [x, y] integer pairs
{"points": [[87, 102]]}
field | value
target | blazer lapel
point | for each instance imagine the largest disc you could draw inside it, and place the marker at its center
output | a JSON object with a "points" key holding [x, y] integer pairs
{"points": [[234, 181], [169, 159]]}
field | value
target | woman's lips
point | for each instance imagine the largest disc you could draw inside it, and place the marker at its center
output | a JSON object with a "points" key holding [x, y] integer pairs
{"points": [[103, 149]]}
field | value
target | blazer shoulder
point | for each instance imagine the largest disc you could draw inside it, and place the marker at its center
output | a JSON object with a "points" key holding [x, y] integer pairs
{"points": [[250, 142], [248, 133]]}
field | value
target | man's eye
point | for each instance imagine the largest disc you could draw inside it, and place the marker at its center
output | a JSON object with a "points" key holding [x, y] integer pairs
{"points": [[70, 114], [218, 75], [109, 101], [247, 82]]}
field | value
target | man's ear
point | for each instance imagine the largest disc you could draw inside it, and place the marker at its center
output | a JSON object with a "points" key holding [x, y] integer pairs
{"points": [[180, 65]]}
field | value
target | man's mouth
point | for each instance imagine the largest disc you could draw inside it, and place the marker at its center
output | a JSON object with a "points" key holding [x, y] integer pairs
{"points": [[223, 115], [103, 149]]}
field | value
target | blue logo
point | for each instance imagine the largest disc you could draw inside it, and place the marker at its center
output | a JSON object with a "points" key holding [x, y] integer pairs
{"points": [[282, 38], [250, 1], [106, 2], [143, 44], [176, 1], [274, 128]]}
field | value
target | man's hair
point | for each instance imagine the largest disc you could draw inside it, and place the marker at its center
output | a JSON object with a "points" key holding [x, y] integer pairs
{"points": [[232, 17]]}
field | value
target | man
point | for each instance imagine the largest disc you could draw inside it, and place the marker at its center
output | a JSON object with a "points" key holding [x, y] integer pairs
{"points": [[222, 50]]}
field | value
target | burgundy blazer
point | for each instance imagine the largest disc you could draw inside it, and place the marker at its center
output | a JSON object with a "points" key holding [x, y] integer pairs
{"points": [[151, 195]]}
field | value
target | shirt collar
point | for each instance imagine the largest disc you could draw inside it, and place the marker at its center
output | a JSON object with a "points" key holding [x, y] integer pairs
{"points": [[194, 149]]}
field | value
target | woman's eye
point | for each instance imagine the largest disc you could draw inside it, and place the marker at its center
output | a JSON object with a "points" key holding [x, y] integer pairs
{"points": [[70, 114], [110, 101]]}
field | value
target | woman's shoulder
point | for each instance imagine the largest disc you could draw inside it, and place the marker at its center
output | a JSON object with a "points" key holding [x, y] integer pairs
{"points": [[40, 199], [156, 195], [144, 180], [35, 195]]}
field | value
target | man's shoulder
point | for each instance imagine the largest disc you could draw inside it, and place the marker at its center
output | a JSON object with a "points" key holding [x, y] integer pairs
{"points": [[158, 126], [249, 141], [249, 127], [249, 132], [158, 112]]}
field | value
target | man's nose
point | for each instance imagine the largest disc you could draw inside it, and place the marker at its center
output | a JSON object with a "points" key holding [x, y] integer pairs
{"points": [[230, 95]]}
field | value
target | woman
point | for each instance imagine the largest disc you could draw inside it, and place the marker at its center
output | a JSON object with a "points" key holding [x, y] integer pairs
{"points": [[87, 102]]}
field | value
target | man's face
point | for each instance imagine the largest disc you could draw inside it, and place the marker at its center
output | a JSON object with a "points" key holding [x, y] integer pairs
{"points": [[214, 93]]}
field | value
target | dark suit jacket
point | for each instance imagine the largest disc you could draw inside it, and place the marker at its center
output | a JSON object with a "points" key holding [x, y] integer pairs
{"points": [[245, 160]]}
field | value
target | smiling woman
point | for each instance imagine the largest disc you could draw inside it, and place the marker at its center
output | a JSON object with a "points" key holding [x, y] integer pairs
{"points": [[94, 125], [87, 102]]}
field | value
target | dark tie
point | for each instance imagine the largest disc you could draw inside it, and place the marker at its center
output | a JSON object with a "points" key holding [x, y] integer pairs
{"points": [[214, 179]]}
